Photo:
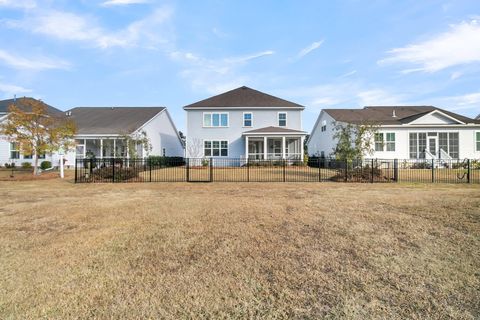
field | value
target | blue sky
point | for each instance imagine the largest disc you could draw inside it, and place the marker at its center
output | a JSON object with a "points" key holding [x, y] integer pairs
{"points": [[322, 54]]}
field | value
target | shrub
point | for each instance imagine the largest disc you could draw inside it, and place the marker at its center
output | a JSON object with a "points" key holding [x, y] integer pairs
{"points": [[359, 174], [26, 165], [159, 161], [45, 165], [421, 165], [121, 173], [9, 165]]}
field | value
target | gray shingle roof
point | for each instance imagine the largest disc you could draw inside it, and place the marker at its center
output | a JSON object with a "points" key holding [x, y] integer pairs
{"points": [[20, 103], [112, 120], [383, 115], [272, 129], [244, 97]]}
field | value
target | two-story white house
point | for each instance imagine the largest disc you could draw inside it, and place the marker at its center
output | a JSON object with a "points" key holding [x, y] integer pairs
{"points": [[245, 124], [404, 132]]}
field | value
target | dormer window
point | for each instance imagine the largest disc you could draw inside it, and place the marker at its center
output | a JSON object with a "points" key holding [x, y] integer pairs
{"points": [[282, 119], [247, 119]]}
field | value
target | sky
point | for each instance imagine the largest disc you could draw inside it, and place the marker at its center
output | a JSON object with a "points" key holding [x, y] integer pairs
{"points": [[321, 54]]}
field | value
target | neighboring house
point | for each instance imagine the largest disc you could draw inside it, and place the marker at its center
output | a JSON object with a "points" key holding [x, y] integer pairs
{"points": [[478, 117], [101, 132], [245, 124], [405, 132], [10, 151]]}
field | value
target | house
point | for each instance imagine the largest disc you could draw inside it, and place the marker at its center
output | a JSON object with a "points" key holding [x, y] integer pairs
{"points": [[244, 124], [404, 132], [10, 151], [101, 132]]}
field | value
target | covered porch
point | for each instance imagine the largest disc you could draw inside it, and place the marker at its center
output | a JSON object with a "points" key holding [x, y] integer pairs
{"points": [[105, 148], [274, 143]]}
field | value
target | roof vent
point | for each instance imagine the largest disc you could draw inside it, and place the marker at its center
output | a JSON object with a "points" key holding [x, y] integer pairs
{"points": [[393, 114], [112, 108], [68, 113]]}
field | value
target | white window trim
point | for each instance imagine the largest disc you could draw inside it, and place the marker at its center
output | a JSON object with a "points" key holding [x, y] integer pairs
{"points": [[220, 141], [278, 118], [14, 150], [386, 141], [243, 120], [211, 119]]}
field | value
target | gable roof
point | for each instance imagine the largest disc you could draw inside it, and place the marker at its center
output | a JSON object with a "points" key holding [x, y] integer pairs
{"points": [[383, 115], [478, 117], [272, 129], [111, 120], [20, 103], [244, 97]]}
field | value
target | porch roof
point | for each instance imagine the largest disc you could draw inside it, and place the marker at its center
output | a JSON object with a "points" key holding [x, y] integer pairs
{"points": [[274, 131]]}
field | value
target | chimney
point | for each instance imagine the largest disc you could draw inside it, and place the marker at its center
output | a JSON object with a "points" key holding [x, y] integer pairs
{"points": [[393, 114]]}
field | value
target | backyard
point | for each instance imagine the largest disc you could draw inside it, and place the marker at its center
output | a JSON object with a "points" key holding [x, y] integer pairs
{"points": [[239, 250]]}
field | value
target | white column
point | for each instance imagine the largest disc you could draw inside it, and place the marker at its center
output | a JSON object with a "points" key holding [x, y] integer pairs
{"points": [[114, 148], [301, 147], [246, 148], [283, 147], [101, 148], [265, 150], [84, 148]]}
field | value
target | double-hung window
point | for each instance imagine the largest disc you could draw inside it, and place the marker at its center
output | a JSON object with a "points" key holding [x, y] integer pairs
{"points": [[14, 150], [215, 119], [215, 148], [378, 141], [247, 119], [477, 140], [282, 119], [390, 143]]}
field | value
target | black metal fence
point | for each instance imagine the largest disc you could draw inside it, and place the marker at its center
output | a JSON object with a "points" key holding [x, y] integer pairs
{"points": [[175, 169]]}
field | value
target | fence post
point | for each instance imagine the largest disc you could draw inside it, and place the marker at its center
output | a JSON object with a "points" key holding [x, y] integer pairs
{"points": [[113, 170], [468, 170], [188, 169], [248, 171], [76, 162], [284, 163], [346, 170], [211, 169], [433, 170], [319, 171], [395, 170], [149, 161], [372, 172]]}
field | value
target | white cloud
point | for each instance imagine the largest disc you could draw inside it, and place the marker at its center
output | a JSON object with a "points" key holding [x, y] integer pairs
{"points": [[123, 2], [8, 90], [460, 45], [348, 74], [215, 75], [310, 48], [74, 27], [20, 4], [18, 62]]}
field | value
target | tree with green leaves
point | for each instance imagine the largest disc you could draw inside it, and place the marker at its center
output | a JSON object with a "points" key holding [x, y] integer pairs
{"points": [[354, 141], [36, 130]]}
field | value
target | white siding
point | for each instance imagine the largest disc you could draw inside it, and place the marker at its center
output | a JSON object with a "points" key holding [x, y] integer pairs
{"points": [[322, 141]]}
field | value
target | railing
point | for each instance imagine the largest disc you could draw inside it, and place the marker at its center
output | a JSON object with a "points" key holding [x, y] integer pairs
{"points": [[175, 169]]}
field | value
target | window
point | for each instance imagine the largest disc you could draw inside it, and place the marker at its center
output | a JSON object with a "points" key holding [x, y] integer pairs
{"points": [[390, 141], [447, 141], [215, 148], [324, 126], [247, 119], [215, 119], [282, 119], [453, 144], [14, 151], [478, 140], [27, 156], [378, 141]]}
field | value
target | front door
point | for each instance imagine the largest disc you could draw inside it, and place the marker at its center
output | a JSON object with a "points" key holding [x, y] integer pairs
{"points": [[433, 145]]}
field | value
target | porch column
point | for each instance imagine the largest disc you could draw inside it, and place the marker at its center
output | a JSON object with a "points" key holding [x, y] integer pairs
{"points": [[283, 147], [84, 148], [101, 148], [265, 148], [114, 148], [302, 139], [246, 148]]}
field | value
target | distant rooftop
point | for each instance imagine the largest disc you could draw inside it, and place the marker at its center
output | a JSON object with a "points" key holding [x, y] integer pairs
{"points": [[111, 120], [389, 115], [22, 104], [244, 97]]}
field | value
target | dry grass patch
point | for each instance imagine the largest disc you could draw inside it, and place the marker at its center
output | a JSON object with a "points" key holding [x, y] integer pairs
{"points": [[233, 250]]}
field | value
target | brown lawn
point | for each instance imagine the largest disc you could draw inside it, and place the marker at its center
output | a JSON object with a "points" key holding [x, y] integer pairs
{"points": [[239, 250]]}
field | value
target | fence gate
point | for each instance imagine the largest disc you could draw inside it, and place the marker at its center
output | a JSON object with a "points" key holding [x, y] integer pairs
{"points": [[199, 170]]}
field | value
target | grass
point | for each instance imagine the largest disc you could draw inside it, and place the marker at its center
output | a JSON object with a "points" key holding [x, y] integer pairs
{"points": [[239, 250]]}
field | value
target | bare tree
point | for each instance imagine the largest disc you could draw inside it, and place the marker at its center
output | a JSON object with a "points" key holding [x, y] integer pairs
{"points": [[194, 148]]}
